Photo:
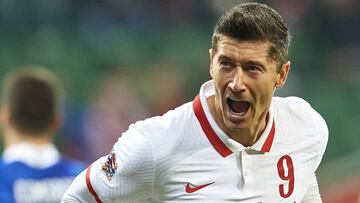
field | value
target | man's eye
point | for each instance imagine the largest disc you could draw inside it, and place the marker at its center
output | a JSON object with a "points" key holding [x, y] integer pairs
{"points": [[225, 64], [253, 68]]}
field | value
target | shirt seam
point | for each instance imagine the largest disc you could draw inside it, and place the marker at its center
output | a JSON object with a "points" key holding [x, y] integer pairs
{"points": [[152, 161]]}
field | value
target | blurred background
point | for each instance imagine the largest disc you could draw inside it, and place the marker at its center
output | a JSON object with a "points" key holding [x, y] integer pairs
{"points": [[125, 60]]}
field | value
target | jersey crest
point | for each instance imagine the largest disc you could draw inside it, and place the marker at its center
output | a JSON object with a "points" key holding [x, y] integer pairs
{"points": [[110, 166]]}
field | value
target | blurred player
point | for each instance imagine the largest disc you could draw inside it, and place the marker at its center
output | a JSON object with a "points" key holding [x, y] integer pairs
{"points": [[31, 168], [234, 143]]}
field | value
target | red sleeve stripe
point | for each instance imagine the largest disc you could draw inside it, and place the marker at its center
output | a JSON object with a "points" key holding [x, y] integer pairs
{"points": [[90, 187]]}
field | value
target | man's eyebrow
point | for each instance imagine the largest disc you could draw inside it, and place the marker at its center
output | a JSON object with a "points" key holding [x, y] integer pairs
{"points": [[257, 63], [226, 58], [254, 62]]}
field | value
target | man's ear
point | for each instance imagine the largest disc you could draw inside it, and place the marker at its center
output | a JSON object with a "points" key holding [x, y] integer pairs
{"points": [[4, 116], [211, 54], [282, 75], [57, 123]]}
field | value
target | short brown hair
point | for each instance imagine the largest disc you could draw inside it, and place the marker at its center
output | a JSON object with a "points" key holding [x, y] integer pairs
{"points": [[255, 21], [34, 96]]}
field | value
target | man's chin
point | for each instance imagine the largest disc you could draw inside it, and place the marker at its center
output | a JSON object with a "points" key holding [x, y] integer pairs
{"points": [[236, 125], [236, 118]]}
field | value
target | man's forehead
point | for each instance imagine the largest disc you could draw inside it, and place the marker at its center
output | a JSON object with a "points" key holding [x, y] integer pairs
{"points": [[240, 49], [224, 38]]}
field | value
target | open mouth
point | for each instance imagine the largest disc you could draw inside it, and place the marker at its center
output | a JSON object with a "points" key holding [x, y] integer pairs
{"points": [[238, 107]]}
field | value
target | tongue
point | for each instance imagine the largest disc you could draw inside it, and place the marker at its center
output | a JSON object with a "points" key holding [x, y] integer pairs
{"points": [[239, 106]]}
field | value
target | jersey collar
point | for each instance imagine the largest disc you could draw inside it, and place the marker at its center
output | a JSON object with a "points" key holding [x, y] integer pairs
{"points": [[223, 144], [32, 155]]}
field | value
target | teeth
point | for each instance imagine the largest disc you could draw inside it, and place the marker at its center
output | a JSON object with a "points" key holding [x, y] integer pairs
{"points": [[241, 114]]}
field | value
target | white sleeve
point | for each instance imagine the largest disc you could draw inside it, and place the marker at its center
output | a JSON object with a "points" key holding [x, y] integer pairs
{"points": [[308, 117], [324, 132], [78, 191], [312, 194], [125, 175]]}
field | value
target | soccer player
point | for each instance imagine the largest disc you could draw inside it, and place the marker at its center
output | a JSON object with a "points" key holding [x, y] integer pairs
{"points": [[235, 142], [31, 168]]}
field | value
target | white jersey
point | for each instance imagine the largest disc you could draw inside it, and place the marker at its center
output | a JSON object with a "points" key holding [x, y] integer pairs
{"points": [[183, 156]]}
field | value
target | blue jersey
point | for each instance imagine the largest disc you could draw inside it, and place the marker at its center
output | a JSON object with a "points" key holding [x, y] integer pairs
{"points": [[22, 183]]}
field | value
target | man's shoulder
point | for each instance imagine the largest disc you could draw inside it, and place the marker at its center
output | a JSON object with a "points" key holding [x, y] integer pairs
{"points": [[3, 165], [290, 101], [298, 112], [72, 167], [1, 161], [295, 107], [173, 119], [64, 167], [162, 135]]}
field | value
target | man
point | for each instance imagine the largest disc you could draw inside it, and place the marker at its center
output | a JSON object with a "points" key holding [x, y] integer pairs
{"points": [[234, 143], [31, 168]]}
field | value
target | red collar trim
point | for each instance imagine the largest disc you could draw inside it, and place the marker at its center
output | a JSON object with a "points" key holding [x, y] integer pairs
{"points": [[214, 139], [269, 140], [216, 142]]}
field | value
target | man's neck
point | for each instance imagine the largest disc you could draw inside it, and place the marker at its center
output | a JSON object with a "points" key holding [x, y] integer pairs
{"points": [[249, 137], [12, 137], [246, 137]]}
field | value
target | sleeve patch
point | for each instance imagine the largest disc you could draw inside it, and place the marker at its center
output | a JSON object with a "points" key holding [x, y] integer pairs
{"points": [[110, 166]]}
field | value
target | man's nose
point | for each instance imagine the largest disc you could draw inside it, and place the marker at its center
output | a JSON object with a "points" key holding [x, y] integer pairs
{"points": [[237, 83]]}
